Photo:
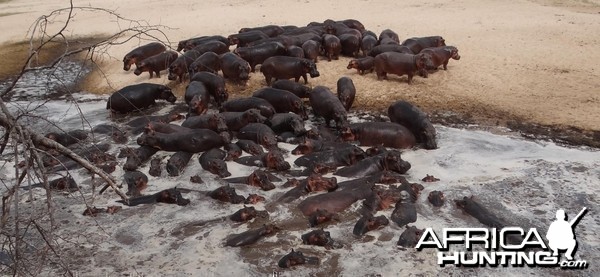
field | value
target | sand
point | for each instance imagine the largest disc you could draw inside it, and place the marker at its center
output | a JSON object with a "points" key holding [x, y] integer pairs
{"points": [[522, 61]]}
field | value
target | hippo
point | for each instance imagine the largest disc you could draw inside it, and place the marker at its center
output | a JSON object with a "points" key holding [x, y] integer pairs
{"points": [[319, 237], [243, 104], [362, 64], [295, 51], [243, 214], [177, 163], [283, 67], [332, 47], [155, 169], [94, 211], [320, 217], [195, 141], [282, 100], [213, 161], [226, 194], [139, 124], [367, 43], [117, 135], [387, 161], [209, 62], [417, 44], [136, 182], [180, 66], [250, 147], [338, 157], [269, 30], [346, 92], [405, 211], [429, 179], [259, 133], [333, 202], [436, 198], [197, 98], [314, 183], [253, 199], [350, 44], [156, 63], [325, 104], [215, 85], [400, 64], [139, 156], [237, 120], [168, 196], [242, 39], [308, 146], [481, 213], [387, 33], [251, 236], [256, 55], [68, 138], [233, 151], [188, 44], [138, 54], [138, 97], [295, 258], [217, 47], [196, 179], [415, 120], [273, 160], [369, 223], [214, 122], [258, 178], [66, 183], [235, 68], [383, 48], [299, 39], [299, 90], [441, 55], [388, 134], [311, 49], [286, 122], [410, 237]]}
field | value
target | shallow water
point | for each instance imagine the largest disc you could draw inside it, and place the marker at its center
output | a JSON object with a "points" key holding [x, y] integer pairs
{"points": [[521, 181]]}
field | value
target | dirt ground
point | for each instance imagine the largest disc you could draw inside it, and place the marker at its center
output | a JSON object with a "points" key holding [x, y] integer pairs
{"points": [[528, 65]]}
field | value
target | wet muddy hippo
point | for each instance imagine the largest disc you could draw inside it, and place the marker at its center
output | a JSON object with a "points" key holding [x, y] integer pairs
{"points": [[215, 85], [417, 44], [117, 135], [388, 134], [136, 182], [283, 67], [415, 120], [295, 258], [299, 90], [156, 63], [325, 104], [168, 196], [253, 199], [233, 151], [198, 140], [243, 104], [155, 169], [481, 213], [209, 62], [250, 147], [282, 100], [363, 64], [213, 161], [259, 133], [387, 161], [165, 128], [258, 178], [269, 30], [139, 124], [181, 66], [332, 47], [311, 49], [242, 39], [140, 53], [257, 54], [410, 237], [338, 157], [139, 156], [177, 163], [400, 64], [286, 122], [320, 217], [251, 236], [369, 223], [441, 55], [308, 146], [320, 237], [197, 97], [436, 198], [314, 183], [68, 138], [237, 120], [244, 214], [137, 97], [235, 68], [273, 160], [214, 122], [346, 92], [333, 202], [405, 211], [226, 194]]}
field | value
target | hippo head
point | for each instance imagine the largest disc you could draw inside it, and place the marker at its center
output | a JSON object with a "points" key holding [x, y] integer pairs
{"points": [[299, 106], [322, 168], [410, 237], [268, 140], [244, 70], [340, 118], [218, 167], [377, 222], [275, 160], [353, 154], [453, 52], [440, 41], [375, 150], [259, 178], [217, 122], [139, 68], [173, 72], [316, 182], [436, 198], [317, 237], [269, 229], [181, 45], [197, 106], [352, 64], [310, 67], [346, 134], [233, 39], [244, 214], [226, 194], [428, 136], [149, 140], [172, 196], [304, 147], [253, 116], [321, 216], [296, 258], [174, 116], [393, 161], [253, 199], [127, 62]]}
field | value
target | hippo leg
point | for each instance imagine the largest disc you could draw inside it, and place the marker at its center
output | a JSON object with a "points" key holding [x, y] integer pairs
{"points": [[446, 65], [410, 76], [305, 80], [151, 74], [157, 74]]}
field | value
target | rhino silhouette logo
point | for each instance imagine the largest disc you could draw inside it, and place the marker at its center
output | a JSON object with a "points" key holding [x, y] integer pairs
{"points": [[561, 234]]}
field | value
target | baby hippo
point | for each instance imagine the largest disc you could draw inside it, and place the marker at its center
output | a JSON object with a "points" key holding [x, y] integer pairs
{"points": [[156, 63]]}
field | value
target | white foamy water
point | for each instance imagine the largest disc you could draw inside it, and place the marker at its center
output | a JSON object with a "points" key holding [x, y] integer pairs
{"points": [[521, 181]]}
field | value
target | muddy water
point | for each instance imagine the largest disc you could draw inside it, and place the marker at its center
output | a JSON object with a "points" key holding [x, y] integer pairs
{"points": [[522, 181]]}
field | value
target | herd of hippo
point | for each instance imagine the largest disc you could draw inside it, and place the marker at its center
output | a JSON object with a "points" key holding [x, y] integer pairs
{"points": [[248, 130]]}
